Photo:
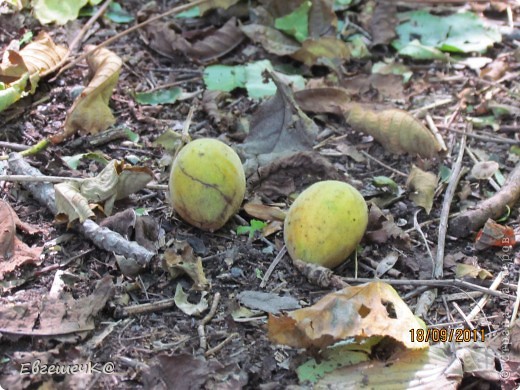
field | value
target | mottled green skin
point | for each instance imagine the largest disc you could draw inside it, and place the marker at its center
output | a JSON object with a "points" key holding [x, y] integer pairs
{"points": [[207, 183], [325, 223]]}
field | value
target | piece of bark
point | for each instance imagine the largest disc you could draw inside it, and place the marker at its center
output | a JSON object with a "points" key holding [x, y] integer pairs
{"points": [[103, 238], [493, 207]]}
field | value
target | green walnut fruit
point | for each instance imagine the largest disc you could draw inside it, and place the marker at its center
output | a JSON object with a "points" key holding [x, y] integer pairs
{"points": [[325, 223], [207, 183]]}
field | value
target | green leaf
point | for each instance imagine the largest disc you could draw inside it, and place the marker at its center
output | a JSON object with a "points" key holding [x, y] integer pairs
{"points": [[463, 32], [13, 92], [419, 51], [134, 137], [383, 181], [57, 11], [255, 226], [27, 37], [117, 14], [161, 96], [444, 174], [74, 161], [251, 76], [296, 23], [191, 13]]}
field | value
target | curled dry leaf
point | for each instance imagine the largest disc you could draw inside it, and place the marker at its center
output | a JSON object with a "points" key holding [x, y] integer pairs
{"points": [[90, 112], [370, 309], [323, 100], [422, 186], [116, 181], [396, 130], [14, 253], [180, 260], [383, 23], [382, 228], [278, 128], [218, 44], [27, 66], [264, 212], [167, 39]]}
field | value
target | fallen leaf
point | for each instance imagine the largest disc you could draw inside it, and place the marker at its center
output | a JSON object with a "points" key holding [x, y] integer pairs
{"points": [[438, 367], [370, 309], [191, 309], [180, 260], [292, 173], [313, 51], [382, 228], [272, 40], [116, 181], [386, 264], [14, 253], [494, 234], [51, 317], [495, 70], [90, 112], [264, 212], [383, 23], [472, 271], [422, 187], [268, 302], [322, 19], [218, 44], [278, 128]]}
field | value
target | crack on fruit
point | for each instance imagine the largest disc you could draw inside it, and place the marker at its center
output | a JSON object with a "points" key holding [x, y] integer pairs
{"points": [[229, 200]]}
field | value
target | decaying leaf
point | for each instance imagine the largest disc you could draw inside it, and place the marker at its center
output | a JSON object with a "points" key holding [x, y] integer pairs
{"points": [[278, 128], [264, 212], [14, 253], [439, 367], [180, 260], [371, 309], [323, 100], [313, 51], [494, 234], [50, 317], [382, 228], [422, 186], [292, 173], [21, 71], [167, 39], [273, 40], [71, 203], [191, 309], [471, 271], [268, 302], [90, 112], [218, 44], [116, 181], [322, 19], [383, 22], [213, 4], [396, 130]]}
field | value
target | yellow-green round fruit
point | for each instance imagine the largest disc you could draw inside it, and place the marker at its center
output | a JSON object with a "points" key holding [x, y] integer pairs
{"points": [[325, 223], [207, 183]]}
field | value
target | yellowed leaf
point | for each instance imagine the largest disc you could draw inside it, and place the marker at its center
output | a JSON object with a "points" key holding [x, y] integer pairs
{"points": [[371, 309], [71, 203], [90, 112], [325, 47], [212, 4], [180, 260], [398, 131], [422, 187]]}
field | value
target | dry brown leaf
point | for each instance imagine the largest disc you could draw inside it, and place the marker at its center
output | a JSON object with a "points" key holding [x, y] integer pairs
{"points": [[50, 317], [383, 23], [38, 57], [495, 70], [264, 212], [218, 44], [371, 309], [382, 228], [212, 4], [322, 19], [323, 100], [396, 130], [90, 112], [273, 40], [14, 253]]}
